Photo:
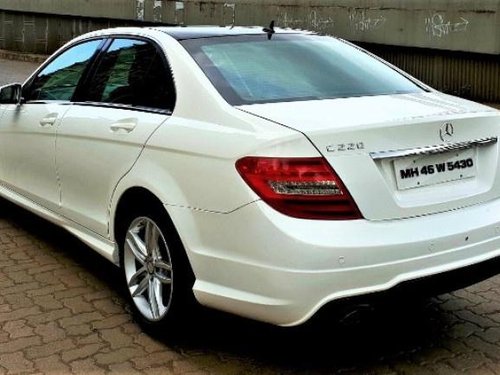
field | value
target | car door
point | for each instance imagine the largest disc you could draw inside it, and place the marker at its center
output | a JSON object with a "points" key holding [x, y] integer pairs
{"points": [[130, 93], [27, 131]]}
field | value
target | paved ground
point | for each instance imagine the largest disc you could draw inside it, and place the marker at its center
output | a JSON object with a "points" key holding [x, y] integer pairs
{"points": [[15, 71], [62, 311]]}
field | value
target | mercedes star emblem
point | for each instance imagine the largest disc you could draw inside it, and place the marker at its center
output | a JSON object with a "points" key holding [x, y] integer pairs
{"points": [[446, 132]]}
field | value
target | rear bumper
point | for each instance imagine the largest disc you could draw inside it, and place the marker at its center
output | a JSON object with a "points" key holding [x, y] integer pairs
{"points": [[433, 285], [408, 294], [263, 265]]}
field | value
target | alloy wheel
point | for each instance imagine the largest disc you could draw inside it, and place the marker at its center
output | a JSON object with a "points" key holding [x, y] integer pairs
{"points": [[148, 269]]}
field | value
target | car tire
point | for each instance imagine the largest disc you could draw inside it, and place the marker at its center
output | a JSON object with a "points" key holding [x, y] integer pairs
{"points": [[157, 274]]}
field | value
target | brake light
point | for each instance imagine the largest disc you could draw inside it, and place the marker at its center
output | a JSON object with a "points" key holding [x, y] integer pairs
{"points": [[306, 188]]}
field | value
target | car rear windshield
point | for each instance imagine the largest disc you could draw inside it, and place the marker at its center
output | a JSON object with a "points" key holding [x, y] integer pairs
{"points": [[254, 69]]}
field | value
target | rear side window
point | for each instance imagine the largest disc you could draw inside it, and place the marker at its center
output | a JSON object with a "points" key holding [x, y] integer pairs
{"points": [[133, 73], [255, 69], [60, 78]]}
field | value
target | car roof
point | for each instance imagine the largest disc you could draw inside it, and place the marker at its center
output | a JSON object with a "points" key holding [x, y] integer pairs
{"points": [[197, 32]]}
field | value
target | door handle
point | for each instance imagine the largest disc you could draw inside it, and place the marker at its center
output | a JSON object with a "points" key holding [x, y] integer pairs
{"points": [[48, 121], [123, 126]]}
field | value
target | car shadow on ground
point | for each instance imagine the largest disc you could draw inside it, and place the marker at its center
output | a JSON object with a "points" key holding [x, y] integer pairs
{"points": [[339, 337]]}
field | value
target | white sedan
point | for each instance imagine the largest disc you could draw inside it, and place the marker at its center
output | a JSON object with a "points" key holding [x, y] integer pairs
{"points": [[261, 172]]}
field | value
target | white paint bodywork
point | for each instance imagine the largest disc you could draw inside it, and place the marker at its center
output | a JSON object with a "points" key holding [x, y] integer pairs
{"points": [[94, 150], [247, 258]]}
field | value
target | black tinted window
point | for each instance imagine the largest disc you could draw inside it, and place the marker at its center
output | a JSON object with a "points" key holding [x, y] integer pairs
{"points": [[253, 69], [132, 72], [59, 79]]}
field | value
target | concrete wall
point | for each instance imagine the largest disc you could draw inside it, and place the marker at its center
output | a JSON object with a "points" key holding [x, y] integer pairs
{"points": [[43, 33], [457, 25]]}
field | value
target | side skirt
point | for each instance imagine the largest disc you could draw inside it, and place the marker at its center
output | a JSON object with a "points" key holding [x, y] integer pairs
{"points": [[101, 245]]}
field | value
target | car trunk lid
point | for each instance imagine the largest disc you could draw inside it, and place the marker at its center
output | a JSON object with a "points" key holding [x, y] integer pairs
{"points": [[393, 152]]}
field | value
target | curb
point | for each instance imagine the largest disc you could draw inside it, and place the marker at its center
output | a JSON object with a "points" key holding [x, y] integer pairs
{"points": [[20, 56]]}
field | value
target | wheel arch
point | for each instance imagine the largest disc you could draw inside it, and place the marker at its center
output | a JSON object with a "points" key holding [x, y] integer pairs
{"points": [[130, 199], [136, 198]]}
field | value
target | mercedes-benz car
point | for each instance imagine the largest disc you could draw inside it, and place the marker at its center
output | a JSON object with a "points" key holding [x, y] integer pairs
{"points": [[263, 172]]}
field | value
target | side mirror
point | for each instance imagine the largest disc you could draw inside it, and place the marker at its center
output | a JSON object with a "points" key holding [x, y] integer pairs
{"points": [[11, 94]]}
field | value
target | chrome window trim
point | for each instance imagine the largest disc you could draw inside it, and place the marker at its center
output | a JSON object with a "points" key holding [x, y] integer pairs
{"points": [[437, 149], [128, 107]]}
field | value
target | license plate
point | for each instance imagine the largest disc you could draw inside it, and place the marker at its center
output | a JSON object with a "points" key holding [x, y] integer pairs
{"points": [[424, 170]]}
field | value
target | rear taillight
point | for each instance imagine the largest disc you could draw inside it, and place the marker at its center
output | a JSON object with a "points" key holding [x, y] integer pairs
{"points": [[306, 188]]}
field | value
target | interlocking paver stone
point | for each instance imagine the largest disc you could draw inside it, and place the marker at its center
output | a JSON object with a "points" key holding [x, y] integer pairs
{"points": [[15, 289], [19, 303], [81, 352], [44, 291], [52, 365], [78, 305], [108, 306], [79, 330], [118, 355], [149, 344], [50, 332], [46, 350], [116, 338], [80, 318], [16, 363], [487, 349], [86, 366], [112, 321], [491, 335], [18, 345], [18, 328], [155, 359], [47, 302]]}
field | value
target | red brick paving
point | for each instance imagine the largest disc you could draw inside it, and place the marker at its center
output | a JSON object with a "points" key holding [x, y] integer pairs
{"points": [[62, 311]]}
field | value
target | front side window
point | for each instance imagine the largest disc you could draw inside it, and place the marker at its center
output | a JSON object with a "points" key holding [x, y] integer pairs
{"points": [[59, 79], [132, 73], [253, 69]]}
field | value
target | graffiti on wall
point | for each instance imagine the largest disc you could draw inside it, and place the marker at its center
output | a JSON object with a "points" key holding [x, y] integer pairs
{"points": [[360, 21], [438, 26], [140, 10], [231, 7], [312, 21], [157, 11], [179, 13]]}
